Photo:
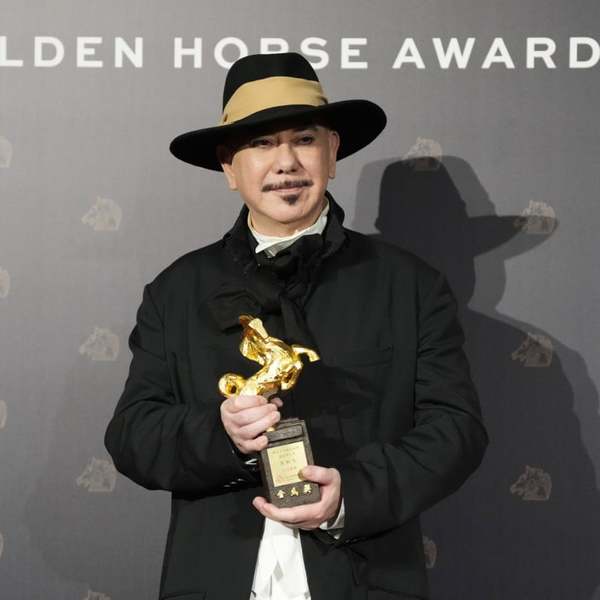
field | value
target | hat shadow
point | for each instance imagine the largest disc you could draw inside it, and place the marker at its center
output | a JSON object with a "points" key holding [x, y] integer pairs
{"points": [[521, 526]]}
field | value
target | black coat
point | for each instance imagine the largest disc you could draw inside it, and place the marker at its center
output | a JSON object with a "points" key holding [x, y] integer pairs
{"points": [[390, 404]]}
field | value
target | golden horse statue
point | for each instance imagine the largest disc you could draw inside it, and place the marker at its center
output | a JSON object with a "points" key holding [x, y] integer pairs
{"points": [[281, 363]]}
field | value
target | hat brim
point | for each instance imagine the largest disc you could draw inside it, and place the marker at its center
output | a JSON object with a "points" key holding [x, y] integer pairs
{"points": [[358, 123], [489, 232]]}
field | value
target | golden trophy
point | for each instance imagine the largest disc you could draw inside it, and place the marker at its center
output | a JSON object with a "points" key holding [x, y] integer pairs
{"points": [[288, 449]]}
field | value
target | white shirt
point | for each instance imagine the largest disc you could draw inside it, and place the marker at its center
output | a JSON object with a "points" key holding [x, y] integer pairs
{"points": [[279, 573], [272, 244]]}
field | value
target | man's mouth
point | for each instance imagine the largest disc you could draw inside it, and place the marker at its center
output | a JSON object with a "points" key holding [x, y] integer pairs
{"points": [[290, 190], [290, 195], [289, 186]]}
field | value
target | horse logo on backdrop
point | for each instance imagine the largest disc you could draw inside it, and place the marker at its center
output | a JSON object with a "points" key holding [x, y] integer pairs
{"points": [[4, 283], [538, 218], [430, 550], [102, 344], [2, 414], [105, 215], [424, 155], [536, 350], [96, 596], [533, 484], [98, 476], [6, 152]]}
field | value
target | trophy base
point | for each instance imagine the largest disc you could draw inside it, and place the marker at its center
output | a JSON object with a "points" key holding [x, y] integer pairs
{"points": [[287, 452]]}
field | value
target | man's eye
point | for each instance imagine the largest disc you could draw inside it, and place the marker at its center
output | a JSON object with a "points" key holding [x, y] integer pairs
{"points": [[307, 139], [259, 142]]}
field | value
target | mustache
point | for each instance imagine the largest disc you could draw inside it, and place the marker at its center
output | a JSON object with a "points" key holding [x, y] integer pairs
{"points": [[288, 183]]}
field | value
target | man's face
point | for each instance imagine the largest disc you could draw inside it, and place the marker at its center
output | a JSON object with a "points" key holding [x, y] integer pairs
{"points": [[282, 175]]}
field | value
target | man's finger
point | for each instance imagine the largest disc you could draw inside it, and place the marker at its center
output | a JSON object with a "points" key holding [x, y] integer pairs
{"points": [[318, 474], [260, 443], [298, 514], [237, 403], [309, 526], [251, 415], [251, 430]]}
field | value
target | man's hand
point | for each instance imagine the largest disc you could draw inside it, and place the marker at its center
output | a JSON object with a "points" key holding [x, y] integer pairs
{"points": [[308, 516], [246, 417]]}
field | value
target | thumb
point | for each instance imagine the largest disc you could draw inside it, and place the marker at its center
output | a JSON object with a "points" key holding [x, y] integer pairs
{"points": [[317, 474]]}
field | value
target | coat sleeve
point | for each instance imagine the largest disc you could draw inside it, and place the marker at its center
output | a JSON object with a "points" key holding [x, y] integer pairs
{"points": [[385, 484], [157, 439]]}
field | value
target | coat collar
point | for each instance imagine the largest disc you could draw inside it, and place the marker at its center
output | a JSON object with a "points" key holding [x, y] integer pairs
{"points": [[240, 243]]}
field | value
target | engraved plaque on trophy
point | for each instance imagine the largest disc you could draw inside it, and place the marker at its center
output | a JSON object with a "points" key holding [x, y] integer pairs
{"points": [[288, 449]]}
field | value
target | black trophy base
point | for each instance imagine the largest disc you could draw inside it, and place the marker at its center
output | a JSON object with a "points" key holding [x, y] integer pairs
{"points": [[287, 452]]}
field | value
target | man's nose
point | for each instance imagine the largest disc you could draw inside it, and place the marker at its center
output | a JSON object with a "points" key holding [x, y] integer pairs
{"points": [[286, 158]]}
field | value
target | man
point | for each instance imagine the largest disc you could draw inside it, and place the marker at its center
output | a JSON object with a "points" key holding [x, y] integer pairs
{"points": [[394, 421]]}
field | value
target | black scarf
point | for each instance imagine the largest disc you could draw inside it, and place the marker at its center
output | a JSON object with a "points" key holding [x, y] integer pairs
{"points": [[278, 285]]}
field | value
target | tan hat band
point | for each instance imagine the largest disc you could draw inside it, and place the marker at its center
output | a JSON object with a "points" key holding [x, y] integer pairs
{"points": [[269, 92]]}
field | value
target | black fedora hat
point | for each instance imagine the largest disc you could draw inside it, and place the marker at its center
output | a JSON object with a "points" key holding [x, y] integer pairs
{"points": [[263, 90]]}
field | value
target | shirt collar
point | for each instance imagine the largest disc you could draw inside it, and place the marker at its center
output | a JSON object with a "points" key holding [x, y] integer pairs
{"points": [[272, 244], [239, 242]]}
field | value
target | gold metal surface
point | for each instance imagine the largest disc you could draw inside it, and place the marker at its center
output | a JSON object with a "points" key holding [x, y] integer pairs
{"points": [[281, 363]]}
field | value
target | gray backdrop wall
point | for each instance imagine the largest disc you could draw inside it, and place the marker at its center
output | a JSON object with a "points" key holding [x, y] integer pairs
{"points": [[488, 168]]}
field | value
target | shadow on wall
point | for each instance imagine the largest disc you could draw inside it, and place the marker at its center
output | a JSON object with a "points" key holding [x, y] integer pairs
{"points": [[525, 524]]}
